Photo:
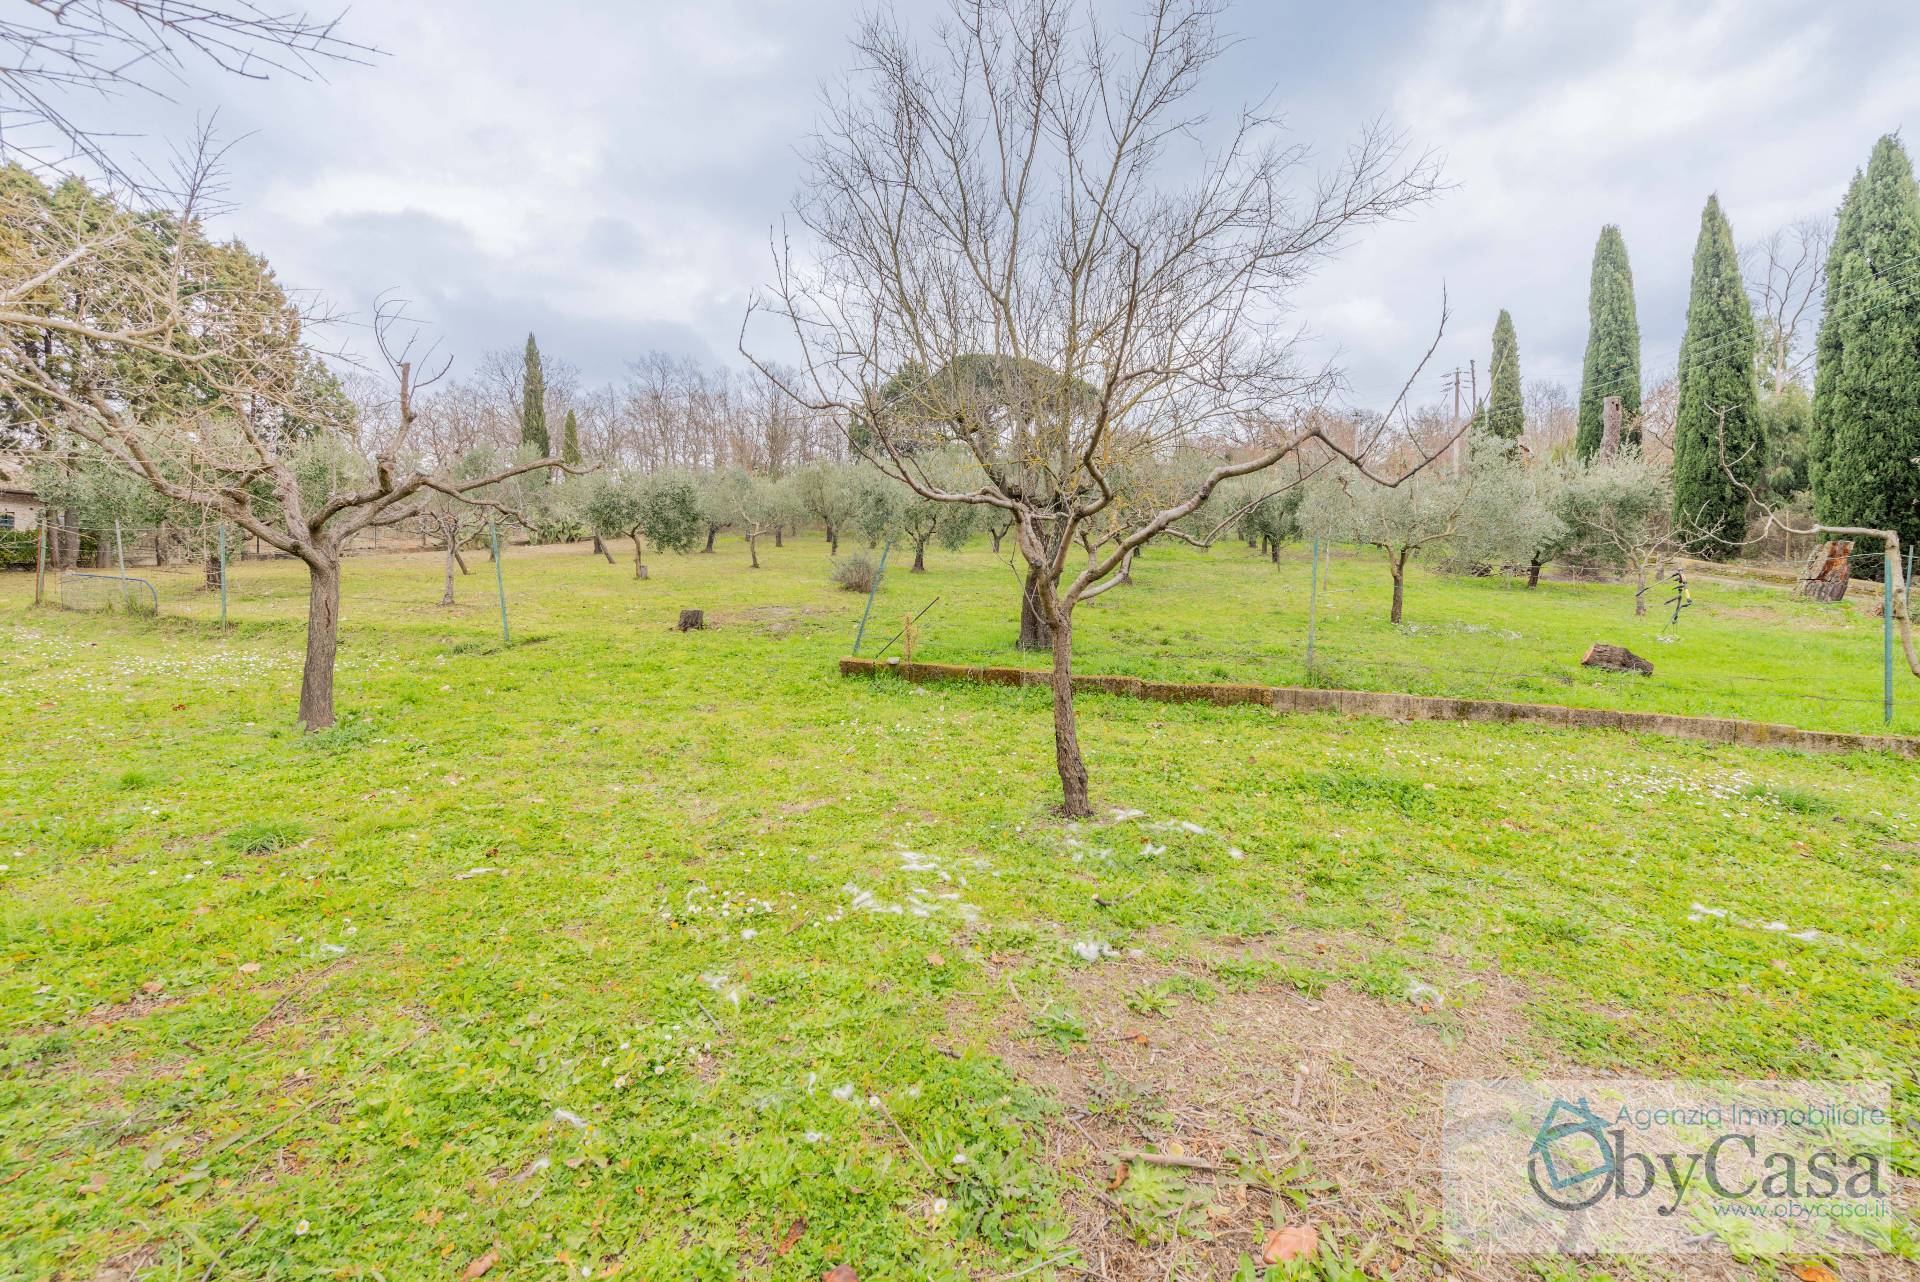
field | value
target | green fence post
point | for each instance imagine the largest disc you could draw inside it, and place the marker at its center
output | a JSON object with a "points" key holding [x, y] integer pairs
{"points": [[862, 630], [1891, 568], [1313, 606], [499, 581], [223, 574]]}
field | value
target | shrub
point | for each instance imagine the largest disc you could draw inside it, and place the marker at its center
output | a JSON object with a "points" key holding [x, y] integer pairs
{"points": [[856, 573]]}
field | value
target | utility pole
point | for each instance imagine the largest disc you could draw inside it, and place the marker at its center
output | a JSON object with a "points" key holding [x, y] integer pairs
{"points": [[1453, 453]]}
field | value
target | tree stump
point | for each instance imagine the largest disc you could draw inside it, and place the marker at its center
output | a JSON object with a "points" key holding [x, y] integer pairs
{"points": [[1615, 658], [691, 620], [1828, 571]]}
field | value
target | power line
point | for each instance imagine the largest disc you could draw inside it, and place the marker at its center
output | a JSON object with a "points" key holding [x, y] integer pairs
{"points": [[1908, 283]]}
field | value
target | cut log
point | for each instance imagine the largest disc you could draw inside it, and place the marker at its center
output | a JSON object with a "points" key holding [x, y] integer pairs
{"points": [[1616, 658], [691, 620], [1828, 571]]}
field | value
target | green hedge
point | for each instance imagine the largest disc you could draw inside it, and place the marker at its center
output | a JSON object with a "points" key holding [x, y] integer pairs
{"points": [[17, 548]]}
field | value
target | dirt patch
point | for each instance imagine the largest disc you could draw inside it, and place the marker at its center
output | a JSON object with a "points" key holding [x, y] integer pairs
{"points": [[138, 1007], [774, 620], [128, 1265], [1319, 1106]]}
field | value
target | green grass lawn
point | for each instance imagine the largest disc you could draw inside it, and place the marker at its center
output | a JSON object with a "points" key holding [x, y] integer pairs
{"points": [[621, 951]]}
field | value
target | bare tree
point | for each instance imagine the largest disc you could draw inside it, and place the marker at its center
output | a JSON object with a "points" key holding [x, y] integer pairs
{"points": [[1035, 192], [1552, 419], [61, 49], [1786, 279], [262, 441]]}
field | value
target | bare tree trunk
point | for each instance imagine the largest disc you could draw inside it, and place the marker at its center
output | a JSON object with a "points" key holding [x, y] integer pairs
{"points": [[1066, 734], [323, 642], [1533, 573], [639, 555], [1399, 567], [833, 541], [753, 551], [459, 560], [776, 537], [919, 556], [600, 546], [160, 547], [711, 531], [1035, 634], [446, 590], [1640, 588], [997, 536], [213, 568]]}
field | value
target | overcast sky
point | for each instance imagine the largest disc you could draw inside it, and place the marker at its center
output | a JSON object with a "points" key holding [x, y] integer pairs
{"points": [[606, 173]]}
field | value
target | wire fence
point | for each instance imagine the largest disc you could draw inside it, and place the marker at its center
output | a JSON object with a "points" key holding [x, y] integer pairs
{"points": [[254, 590]]}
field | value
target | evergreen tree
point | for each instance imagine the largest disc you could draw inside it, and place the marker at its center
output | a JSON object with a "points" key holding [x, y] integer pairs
{"points": [[1612, 365], [1826, 342], [533, 402], [1867, 386], [1786, 421], [1716, 385], [570, 441], [1505, 414]]}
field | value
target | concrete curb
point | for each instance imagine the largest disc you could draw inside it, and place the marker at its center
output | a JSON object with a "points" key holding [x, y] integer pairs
{"points": [[1409, 707]]}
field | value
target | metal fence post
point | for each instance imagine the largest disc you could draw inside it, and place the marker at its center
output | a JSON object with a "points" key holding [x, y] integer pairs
{"points": [[1888, 570], [499, 581], [1313, 606], [862, 630]]}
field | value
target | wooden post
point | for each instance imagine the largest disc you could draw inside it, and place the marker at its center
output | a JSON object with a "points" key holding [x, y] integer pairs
{"points": [[40, 563], [1609, 427], [906, 637]]}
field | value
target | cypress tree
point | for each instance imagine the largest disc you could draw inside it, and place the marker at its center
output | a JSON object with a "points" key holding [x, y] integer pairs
{"points": [[570, 441], [1505, 414], [1867, 385], [1716, 377], [533, 402], [1612, 365], [1826, 342]]}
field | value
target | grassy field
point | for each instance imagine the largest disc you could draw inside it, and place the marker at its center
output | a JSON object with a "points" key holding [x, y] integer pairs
{"points": [[626, 952]]}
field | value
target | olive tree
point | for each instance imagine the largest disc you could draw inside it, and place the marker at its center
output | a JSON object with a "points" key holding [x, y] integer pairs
{"points": [[663, 508], [893, 509], [1400, 520], [828, 492], [105, 321], [1620, 512], [1507, 520], [1032, 188]]}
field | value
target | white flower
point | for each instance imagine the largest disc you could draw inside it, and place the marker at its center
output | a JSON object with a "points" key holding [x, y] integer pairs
{"points": [[300, 1229], [939, 1206], [960, 1158]]}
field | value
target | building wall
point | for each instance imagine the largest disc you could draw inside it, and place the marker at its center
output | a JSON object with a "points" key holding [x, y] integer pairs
{"points": [[25, 513]]}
